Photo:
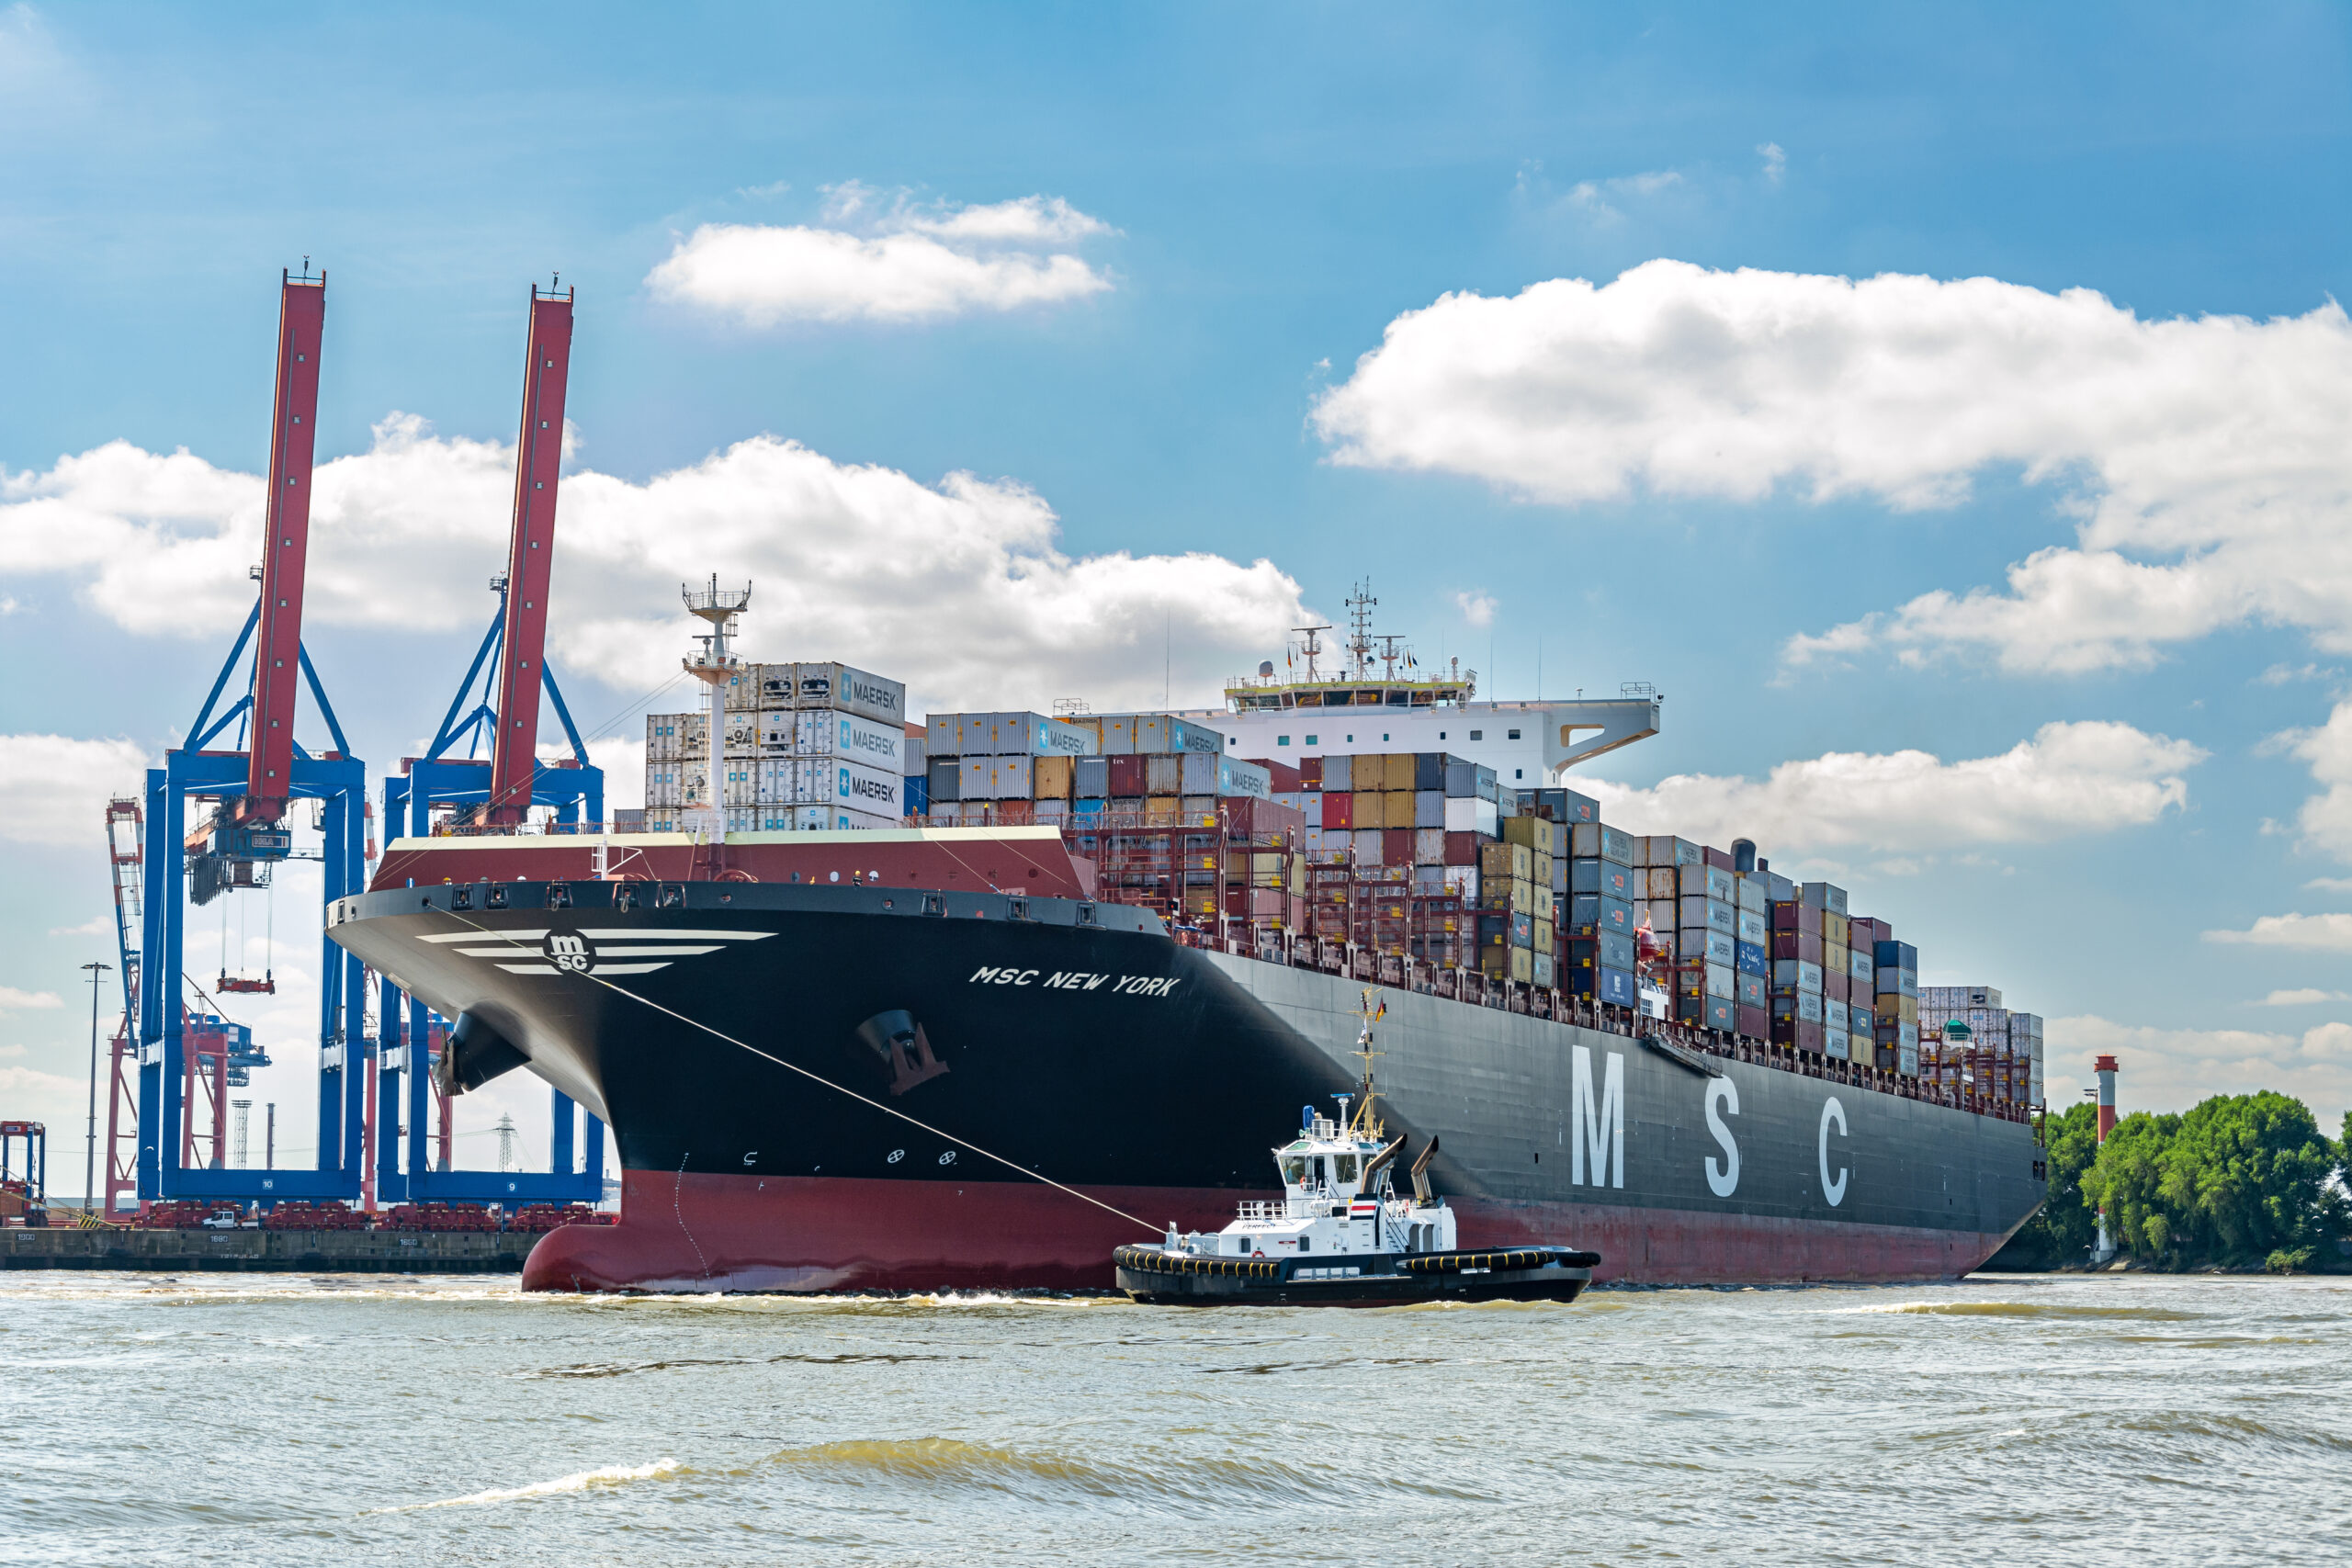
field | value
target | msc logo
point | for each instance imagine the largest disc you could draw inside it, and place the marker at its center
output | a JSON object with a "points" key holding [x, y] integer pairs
{"points": [[570, 952]]}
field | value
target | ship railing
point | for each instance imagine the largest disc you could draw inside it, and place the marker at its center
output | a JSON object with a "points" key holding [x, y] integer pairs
{"points": [[1262, 1209]]}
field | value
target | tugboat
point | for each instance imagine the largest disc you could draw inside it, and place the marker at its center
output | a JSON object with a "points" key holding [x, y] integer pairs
{"points": [[1341, 1235]]}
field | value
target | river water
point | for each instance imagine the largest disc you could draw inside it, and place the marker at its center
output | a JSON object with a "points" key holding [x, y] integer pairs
{"points": [[2000, 1420]]}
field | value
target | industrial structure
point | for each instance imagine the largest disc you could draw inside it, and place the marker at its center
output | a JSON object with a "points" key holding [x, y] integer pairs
{"points": [[216, 820]]}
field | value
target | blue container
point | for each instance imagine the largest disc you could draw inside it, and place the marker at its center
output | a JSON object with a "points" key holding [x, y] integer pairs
{"points": [[1707, 1012], [1715, 947], [1601, 876], [915, 796], [1616, 988], [1751, 990], [1609, 950], [1895, 956], [1752, 958], [1089, 807], [1591, 914]]}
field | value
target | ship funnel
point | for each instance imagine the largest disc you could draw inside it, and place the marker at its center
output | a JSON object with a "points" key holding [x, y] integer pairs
{"points": [[1742, 855]]}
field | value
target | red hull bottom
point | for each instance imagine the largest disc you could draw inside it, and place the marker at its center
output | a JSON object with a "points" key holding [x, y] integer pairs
{"points": [[698, 1232]]}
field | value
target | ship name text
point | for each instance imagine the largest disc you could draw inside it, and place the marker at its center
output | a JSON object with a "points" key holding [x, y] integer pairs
{"points": [[1077, 980]]}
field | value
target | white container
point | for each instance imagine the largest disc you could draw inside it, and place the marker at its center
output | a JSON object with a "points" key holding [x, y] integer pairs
{"points": [[1367, 846], [1035, 735], [847, 689], [863, 791], [777, 729], [742, 820], [1721, 980], [975, 778], [775, 687], [663, 784], [664, 734], [1469, 817], [1462, 880], [777, 777], [744, 691], [1011, 778], [830, 733], [741, 781], [1236, 777]]}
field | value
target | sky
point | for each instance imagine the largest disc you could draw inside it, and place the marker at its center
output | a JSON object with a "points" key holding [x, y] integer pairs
{"points": [[1945, 407]]}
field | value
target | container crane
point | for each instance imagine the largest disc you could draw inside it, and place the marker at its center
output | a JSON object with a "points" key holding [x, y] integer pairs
{"points": [[493, 794], [249, 790]]}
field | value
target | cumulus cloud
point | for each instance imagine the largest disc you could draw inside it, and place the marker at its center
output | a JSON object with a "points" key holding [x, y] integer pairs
{"points": [[2172, 1069], [53, 788], [2202, 459], [2307, 933], [2306, 996], [2069, 778], [1478, 609], [958, 587], [11, 997], [890, 260], [1776, 162], [2326, 820]]}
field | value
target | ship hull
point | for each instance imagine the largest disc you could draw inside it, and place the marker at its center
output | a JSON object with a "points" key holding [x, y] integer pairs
{"points": [[838, 1090]]}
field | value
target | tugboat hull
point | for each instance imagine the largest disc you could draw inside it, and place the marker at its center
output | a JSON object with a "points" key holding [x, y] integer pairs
{"points": [[1160, 1278]]}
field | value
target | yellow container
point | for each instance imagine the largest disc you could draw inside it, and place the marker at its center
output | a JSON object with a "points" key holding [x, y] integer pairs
{"points": [[1052, 777], [1371, 809], [1538, 833], [1162, 810], [1900, 1010], [1398, 809], [1863, 1051], [1543, 933], [1511, 861], [1836, 930]]}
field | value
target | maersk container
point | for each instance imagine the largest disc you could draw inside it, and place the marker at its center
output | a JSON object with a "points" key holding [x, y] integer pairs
{"points": [[975, 735], [1012, 778], [1243, 780], [1804, 1005], [1666, 850], [1704, 881], [1706, 914], [1714, 947], [777, 730], [1035, 735], [1659, 881], [1862, 968], [1832, 1018], [1829, 898], [1617, 988], [874, 792], [1750, 990], [1597, 840], [1542, 969], [1722, 981], [832, 734], [1749, 927], [1601, 876], [1795, 973], [1754, 893], [847, 689], [975, 778], [1898, 955], [774, 778], [1833, 1043], [1185, 736]]}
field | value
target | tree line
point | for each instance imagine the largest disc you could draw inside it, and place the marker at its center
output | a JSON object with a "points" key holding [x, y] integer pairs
{"points": [[2242, 1180]]}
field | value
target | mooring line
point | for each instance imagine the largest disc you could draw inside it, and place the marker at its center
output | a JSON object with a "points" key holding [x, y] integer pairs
{"points": [[819, 1077]]}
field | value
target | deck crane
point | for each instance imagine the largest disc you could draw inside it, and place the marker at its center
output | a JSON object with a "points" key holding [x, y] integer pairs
{"points": [[249, 790], [494, 793]]}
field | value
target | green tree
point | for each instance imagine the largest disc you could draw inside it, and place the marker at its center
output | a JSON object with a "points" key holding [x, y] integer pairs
{"points": [[2127, 1181], [2062, 1231]]}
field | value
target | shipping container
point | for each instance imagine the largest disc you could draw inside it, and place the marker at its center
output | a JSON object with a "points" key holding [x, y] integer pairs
{"points": [[1706, 914], [1599, 876], [1824, 896], [1714, 947], [1749, 990], [1338, 773], [1794, 975], [842, 735], [1535, 832], [1752, 958], [1754, 1022], [1471, 816], [1804, 1005], [1512, 861], [1163, 774], [1705, 882], [846, 688], [1610, 950], [1592, 913], [1338, 811], [1792, 916], [1597, 840]]}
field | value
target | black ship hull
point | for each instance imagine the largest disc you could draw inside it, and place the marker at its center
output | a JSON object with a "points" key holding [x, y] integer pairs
{"points": [[859, 1088]]}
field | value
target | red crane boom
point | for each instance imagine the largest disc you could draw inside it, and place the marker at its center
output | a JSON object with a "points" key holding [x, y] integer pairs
{"points": [[277, 651], [538, 455]]}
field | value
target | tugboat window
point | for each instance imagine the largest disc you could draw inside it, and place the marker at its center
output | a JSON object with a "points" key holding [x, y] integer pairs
{"points": [[1293, 1170], [1322, 1171], [1347, 1163]]}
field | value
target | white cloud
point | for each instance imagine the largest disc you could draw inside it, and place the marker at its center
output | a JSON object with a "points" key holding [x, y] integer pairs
{"points": [[2326, 820], [2306, 996], [898, 262], [958, 587], [2331, 884], [97, 925], [11, 997], [2088, 777], [2309, 933], [2203, 459], [2172, 1069], [1478, 609], [53, 789], [1776, 162]]}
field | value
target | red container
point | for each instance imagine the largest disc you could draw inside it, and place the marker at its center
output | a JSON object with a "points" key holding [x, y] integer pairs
{"points": [[1287, 779], [1127, 775], [1866, 934], [1310, 772], [1804, 945], [1798, 918], [1720, 859], [1800, 1033], [1755, 1022], [1462, 849], [1835, 987], [1339, 809], [1397, 846]]}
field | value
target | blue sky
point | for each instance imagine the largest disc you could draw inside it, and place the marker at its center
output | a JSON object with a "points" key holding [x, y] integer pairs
{"points": [[813, 289]]}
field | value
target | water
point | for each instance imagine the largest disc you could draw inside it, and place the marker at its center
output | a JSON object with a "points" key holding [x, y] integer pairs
{"points": [[2001, 1420]]}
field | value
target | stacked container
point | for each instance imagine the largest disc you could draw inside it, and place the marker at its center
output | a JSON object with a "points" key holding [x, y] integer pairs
{"points": [[1894, 986], [807, 745]]}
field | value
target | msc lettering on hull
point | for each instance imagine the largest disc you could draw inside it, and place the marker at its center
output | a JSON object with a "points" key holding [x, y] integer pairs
{"points": [[1599, 1127], [1067, 980]]}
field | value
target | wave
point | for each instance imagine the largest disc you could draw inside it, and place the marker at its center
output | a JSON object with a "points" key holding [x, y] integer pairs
{"points": [[2028, 1310], [583, 1480], [952, 1462]]}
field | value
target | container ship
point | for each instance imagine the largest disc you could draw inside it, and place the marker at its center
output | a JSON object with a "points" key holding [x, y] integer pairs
{"points": [[970, 1001]]}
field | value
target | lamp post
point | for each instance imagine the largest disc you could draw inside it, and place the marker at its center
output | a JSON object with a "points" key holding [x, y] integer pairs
{"points": [[90, 1150]]}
